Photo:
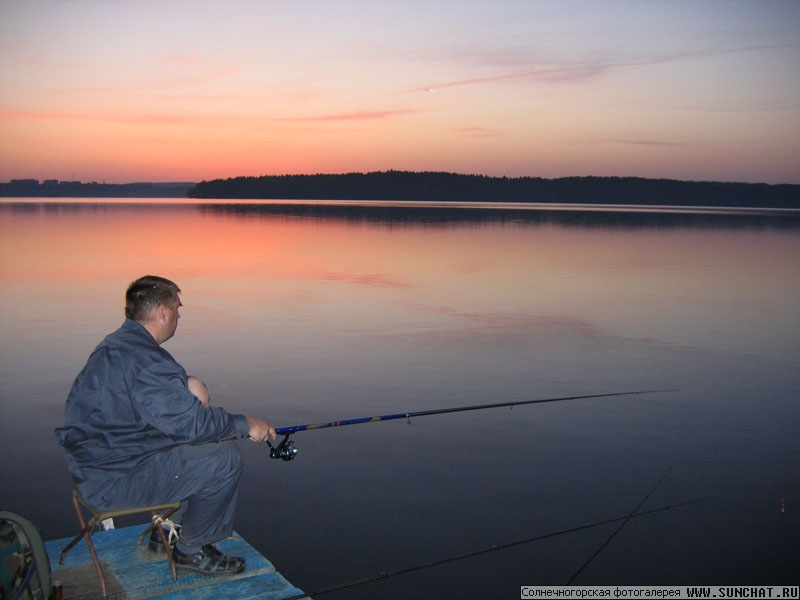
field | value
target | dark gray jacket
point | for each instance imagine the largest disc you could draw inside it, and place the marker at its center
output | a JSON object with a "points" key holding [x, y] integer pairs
{"points": [[131, 402]]}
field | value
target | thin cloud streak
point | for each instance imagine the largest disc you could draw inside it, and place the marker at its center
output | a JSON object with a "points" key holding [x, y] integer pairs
{"points": [[478, 132], [354, 116], [146, 119], [588, 71], [151, 119], [653, 143]]}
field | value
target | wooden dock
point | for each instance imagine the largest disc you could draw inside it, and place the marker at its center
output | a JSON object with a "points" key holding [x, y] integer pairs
{"points": [[133, 572]]}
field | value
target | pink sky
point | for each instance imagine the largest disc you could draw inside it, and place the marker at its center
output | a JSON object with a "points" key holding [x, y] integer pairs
{"points": [[184, 91]]}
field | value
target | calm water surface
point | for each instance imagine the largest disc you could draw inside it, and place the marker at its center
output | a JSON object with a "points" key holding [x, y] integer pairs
{"points": [[312, 312]]}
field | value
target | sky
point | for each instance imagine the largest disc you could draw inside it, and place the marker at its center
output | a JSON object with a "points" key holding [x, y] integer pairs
{"points": [[120, 91]]}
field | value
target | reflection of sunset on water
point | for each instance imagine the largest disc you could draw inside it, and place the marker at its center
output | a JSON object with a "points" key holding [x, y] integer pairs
{"points": [[501, 273]]}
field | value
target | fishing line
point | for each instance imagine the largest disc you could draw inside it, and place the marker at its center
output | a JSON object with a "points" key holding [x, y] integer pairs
{"points": [[458, 557], [621, 525]]}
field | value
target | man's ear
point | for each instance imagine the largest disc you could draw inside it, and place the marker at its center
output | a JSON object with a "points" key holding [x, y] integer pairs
{"points": [[161, 312]]}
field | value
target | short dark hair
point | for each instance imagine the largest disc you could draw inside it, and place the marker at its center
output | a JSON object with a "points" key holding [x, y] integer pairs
{"points": [[145, 295]]}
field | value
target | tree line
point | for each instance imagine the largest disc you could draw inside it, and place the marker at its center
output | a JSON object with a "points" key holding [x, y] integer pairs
{"points": [[451, 187], [434, 186], [52, 188]]}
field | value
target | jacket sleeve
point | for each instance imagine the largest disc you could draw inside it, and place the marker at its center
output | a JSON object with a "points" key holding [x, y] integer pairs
{"points": [[163, 401]]}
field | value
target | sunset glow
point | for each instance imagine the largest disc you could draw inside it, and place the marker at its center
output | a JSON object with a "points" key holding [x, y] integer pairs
{"points": [[187, 91]]}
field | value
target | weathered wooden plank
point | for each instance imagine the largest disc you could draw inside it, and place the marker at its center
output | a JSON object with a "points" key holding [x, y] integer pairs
{"points": [[133, 571]]}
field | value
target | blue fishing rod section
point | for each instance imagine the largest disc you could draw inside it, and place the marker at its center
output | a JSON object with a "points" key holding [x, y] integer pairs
{"points": [[286, 450]]}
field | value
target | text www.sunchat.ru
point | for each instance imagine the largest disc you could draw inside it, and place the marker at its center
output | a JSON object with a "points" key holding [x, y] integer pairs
{"points": [[661, 591]]}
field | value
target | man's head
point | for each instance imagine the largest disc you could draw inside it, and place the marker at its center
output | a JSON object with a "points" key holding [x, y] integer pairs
{"points": [[154, 301]]}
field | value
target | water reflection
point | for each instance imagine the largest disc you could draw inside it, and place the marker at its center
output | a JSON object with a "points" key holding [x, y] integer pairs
{"points": [[313, 312], [587, 216], [429, 213]]}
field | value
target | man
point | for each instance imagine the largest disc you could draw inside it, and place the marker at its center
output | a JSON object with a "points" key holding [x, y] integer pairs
{"points": [[135, 435]]}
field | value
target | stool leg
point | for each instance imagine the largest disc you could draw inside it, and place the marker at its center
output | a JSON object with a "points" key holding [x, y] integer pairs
{"points": [[157, 526], [70, 546], [100, 573], [167, 547], [166, 515], [86, 533], [168, 550], [77, 538]]}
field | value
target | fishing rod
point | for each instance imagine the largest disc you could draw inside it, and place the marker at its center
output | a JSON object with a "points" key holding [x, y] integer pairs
{"points": [[286, 449], [449, 559]]}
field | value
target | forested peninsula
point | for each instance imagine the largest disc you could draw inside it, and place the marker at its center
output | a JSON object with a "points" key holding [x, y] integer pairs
{"points": [[451, 187]]}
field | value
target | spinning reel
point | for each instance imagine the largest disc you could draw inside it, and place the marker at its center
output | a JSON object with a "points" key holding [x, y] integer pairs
{"points": [[285, 450]]}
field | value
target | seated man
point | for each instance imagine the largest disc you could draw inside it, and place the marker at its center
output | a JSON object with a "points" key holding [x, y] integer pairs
{"points": [[137, 432]]}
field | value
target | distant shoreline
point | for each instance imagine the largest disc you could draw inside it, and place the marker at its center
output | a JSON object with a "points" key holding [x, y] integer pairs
{"points": [[51, 188], [435, 187]]}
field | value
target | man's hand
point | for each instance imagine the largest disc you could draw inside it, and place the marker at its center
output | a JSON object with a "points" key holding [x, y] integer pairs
{"points": [[200, 390], [260, 430]]}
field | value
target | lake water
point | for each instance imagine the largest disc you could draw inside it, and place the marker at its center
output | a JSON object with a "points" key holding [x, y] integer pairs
{"points": [[310, 312]]}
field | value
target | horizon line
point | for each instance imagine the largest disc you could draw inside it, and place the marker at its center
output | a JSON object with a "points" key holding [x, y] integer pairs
{"points": [[41, 182]]}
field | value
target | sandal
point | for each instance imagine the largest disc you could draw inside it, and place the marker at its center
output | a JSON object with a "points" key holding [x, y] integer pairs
{"points": [[209, 561]]}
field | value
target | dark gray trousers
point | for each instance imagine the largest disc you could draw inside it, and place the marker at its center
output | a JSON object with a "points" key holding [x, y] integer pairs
{"points": [[205, 478]]}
